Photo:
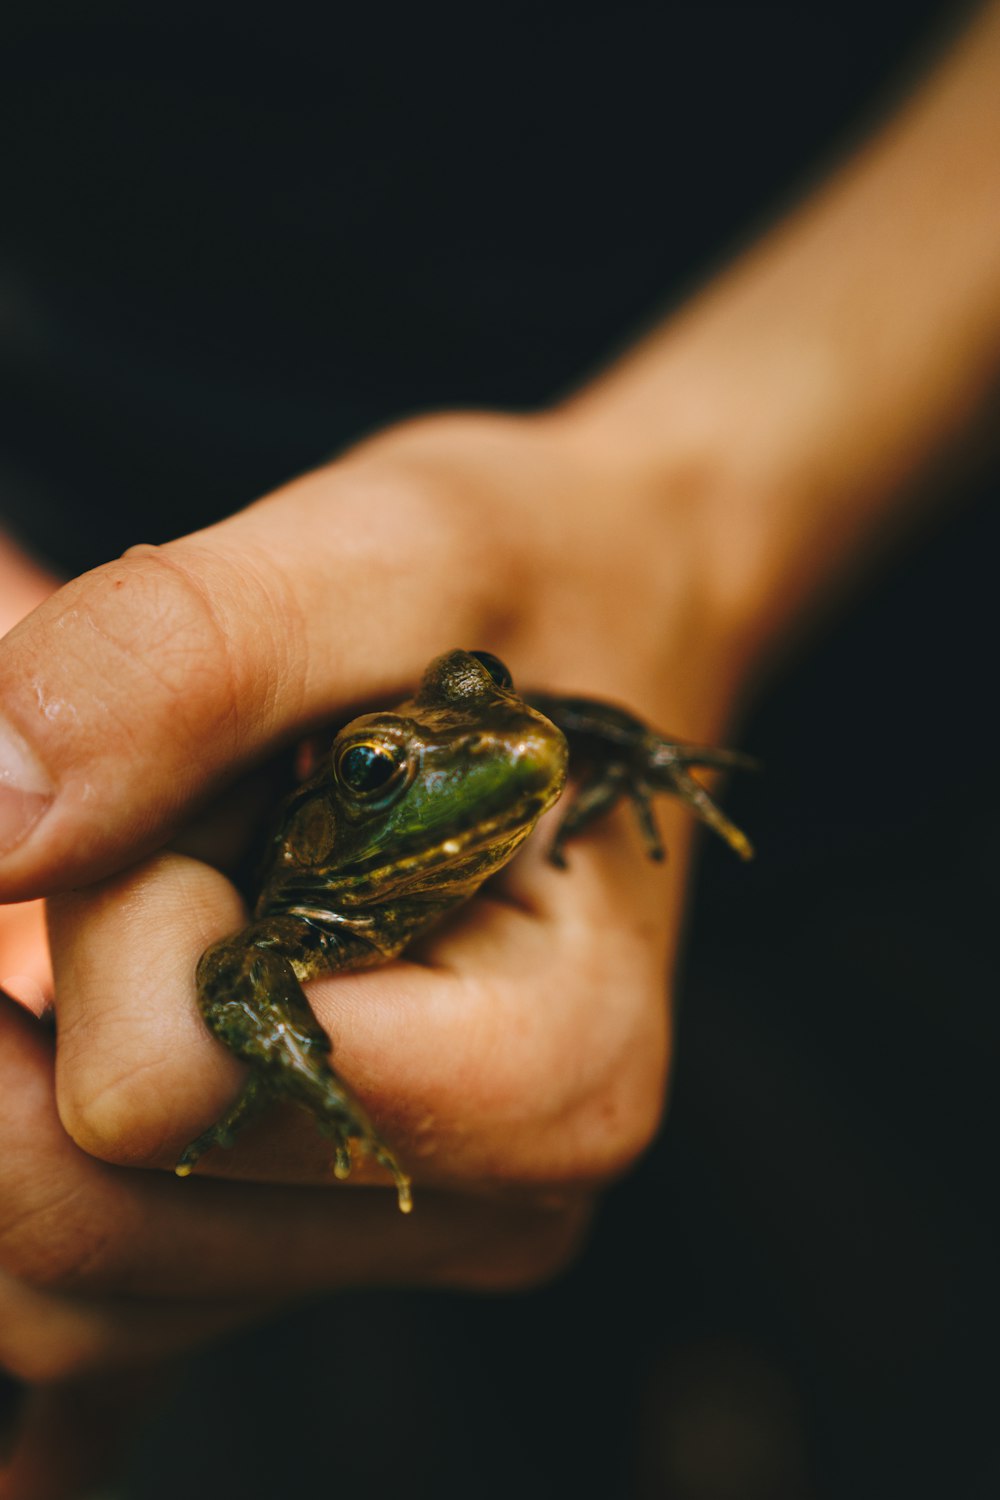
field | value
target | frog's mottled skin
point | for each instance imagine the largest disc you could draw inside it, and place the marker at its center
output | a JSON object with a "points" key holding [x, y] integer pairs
{"points": [[408, 815]]}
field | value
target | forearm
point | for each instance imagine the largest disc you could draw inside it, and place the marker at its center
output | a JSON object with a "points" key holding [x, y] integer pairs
{"points": [[786, 411]]}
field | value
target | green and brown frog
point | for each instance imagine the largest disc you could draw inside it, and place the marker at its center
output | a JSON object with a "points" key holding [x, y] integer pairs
{"points": [[406, 817]]}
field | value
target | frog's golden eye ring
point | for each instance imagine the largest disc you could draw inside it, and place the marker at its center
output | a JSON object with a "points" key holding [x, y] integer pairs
{"points": [[370, 768], [495, 667]]}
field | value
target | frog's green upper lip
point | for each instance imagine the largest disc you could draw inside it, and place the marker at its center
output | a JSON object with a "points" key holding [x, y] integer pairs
{"points": [[481, 835], [377, 875], [465, 841]]}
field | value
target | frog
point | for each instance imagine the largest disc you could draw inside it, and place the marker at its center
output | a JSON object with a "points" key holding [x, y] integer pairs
{"points": [[402, 821]]}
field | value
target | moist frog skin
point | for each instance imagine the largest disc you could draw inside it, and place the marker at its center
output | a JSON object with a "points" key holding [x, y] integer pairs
{"points": [[405, 818]]}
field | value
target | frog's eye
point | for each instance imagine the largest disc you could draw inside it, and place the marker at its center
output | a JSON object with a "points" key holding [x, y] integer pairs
{"points": [[370, 767], [495, 667]]}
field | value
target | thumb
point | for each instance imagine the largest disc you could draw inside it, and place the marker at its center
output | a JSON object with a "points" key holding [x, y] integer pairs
{"points": [[138, 689]]}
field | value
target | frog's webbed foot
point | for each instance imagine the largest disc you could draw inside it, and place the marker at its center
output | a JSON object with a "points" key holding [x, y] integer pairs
{"points": [[252, 1001], [627, 759], [599, 795], [694, 796]]}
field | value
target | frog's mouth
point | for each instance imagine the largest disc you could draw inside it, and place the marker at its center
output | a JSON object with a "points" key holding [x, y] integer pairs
{"points": [[456, 864], [487, 844], [490, 844]]}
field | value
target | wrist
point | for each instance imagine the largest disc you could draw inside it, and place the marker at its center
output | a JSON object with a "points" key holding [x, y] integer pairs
{"points": [[632, 579], [693, 445]]}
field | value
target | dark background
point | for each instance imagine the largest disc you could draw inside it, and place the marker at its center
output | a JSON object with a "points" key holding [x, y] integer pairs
{"points": [[232, 243]]}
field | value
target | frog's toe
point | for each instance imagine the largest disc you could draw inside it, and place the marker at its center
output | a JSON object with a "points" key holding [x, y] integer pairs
{"points": [[402, 1180], [253, 1098], [557, 856], [341, 1118], [597, 797], [190, 1157], [641, 801], [695, 797]]}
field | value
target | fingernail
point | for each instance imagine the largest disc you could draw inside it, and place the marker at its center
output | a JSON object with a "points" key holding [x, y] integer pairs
{"points": [[25, 789]]}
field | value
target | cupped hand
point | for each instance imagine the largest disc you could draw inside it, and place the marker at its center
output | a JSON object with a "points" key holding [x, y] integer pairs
{"points": [[516, 1059]]}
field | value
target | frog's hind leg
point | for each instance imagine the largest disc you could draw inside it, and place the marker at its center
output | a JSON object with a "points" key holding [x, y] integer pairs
{"points": [[638, 764], [252, 1001]]}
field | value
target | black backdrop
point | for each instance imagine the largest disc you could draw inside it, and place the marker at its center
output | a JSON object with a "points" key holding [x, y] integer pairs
{"points": [[231, 244]]}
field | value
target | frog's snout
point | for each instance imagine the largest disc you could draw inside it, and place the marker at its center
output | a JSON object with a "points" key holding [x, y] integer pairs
{"points": [[539, 756], [525, 758]]}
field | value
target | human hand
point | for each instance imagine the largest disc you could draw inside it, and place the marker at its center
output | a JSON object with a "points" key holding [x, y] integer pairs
{"points": [[516, 1060]]}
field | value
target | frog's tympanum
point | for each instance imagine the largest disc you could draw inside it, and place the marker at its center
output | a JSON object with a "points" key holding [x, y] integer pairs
{"points": [[406, 817]]}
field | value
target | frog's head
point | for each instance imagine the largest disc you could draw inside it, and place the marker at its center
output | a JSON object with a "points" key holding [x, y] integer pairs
{"points": [[434, 796]]}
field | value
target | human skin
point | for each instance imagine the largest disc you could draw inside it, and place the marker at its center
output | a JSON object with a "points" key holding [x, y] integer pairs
{"points": [[702, 500]]}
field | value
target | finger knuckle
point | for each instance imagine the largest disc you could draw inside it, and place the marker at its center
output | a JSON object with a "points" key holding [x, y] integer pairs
{"points": [[106, 1117], [202, 637], [615, 1123], [624, 1124], [177, 636]]}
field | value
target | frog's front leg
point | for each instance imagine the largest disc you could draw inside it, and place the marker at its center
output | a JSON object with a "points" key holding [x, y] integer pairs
{"points": [[251, 999], [595, 798], [626, 758]]}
